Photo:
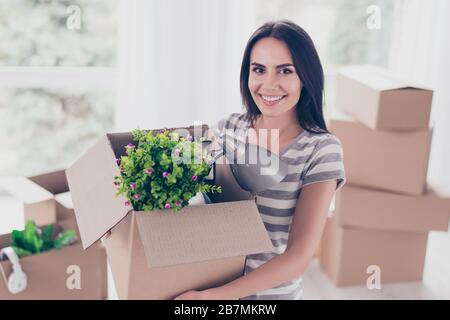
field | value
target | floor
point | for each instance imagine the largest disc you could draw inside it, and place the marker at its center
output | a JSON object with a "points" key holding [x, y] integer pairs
{"points": [[435, 285]]}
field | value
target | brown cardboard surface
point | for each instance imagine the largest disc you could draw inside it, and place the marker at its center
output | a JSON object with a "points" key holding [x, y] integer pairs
{"points": [[55, 182], [48, 273], [346, 253], [162, 282], [232, 229], [394, 161], [375, 209], [93, 193], [379, 100]]}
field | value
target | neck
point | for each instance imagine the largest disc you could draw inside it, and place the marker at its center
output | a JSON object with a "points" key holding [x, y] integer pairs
{"points": [[287, 124]]}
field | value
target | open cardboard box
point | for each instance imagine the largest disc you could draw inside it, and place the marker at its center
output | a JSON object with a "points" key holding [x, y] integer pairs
{"points": [[388, 160], [53, 274], [161, 254], [46, 198], [379, 100], [380, 210]]}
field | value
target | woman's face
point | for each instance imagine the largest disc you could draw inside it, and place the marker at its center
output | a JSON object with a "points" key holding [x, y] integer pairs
{"points": [[273, 81]]}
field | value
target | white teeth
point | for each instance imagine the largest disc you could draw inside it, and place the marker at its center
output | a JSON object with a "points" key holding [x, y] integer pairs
{"points": [[272, 98]]}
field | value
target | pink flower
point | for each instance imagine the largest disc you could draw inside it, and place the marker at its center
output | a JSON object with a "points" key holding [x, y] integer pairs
{"points": [[178, 203], [127, 203], [176, 152], [149, 170], [136, 196], [189, 137], [133, 186], [194, 178], [167, 206], [130, 145], [165, 174]]}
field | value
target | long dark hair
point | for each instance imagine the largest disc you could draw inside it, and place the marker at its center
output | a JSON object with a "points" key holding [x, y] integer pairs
{"points": [[307, 65]]}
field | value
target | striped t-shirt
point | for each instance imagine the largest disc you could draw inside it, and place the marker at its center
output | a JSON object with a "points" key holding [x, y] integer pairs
{"points": [[311, 158]]}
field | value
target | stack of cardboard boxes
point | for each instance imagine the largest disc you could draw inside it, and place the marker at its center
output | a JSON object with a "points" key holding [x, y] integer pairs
{"points": [[67, 273], [384, 213]]}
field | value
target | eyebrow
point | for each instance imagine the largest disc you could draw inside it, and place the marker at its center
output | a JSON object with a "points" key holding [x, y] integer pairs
{"points": [[278, 67]]}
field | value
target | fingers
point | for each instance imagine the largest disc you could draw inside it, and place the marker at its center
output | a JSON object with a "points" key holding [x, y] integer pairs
{"points": [[106, 235]]}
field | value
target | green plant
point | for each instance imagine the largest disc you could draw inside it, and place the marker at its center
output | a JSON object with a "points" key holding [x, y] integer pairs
{"points": [[34, 240], [163, 171]]}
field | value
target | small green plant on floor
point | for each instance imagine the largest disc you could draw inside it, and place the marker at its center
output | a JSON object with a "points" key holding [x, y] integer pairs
{"points": [[34, 240]]}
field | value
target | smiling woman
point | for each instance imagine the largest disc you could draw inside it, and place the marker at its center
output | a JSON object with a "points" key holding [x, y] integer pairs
{"points": [[282, 87]]}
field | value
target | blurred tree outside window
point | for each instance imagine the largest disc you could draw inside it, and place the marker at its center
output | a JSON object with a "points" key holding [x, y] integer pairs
{"points": [[47, 122]]}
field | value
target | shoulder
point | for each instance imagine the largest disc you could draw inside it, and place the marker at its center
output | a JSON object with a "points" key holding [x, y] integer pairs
{"points": [[233, 121], [323, 143], [326, 161]]}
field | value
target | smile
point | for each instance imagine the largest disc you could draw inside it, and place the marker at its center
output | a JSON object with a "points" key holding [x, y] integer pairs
{"points": [[271, 100]]}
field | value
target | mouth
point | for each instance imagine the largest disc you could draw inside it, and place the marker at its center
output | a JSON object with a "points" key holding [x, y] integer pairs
{"points": [[271, 100]]}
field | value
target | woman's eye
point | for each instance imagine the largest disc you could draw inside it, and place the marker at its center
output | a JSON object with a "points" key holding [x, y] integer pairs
{"points": [[286, 71], [258, 70]]}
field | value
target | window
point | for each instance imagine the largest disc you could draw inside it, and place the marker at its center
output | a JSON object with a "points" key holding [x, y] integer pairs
{"points": [[47, 47]]}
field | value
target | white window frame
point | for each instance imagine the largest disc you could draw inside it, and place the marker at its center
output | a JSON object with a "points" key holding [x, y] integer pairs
{"points": [[89, 78]]}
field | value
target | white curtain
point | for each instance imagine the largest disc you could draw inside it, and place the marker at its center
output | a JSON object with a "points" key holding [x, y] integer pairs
{"points": [[420, 51], [179, 61]]}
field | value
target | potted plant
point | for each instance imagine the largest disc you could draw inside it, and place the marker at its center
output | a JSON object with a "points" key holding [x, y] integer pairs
{"points": [[163, 171], [34, 240]]}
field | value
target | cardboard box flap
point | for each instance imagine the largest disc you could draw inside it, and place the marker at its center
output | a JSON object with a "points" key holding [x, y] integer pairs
{"points": [[65, 199], [376, 78], [201, 233], [24, 189], [54, 182], [90, 178]]}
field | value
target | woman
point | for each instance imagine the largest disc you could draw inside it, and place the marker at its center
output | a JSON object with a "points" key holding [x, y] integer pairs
{"points": [[282, 88]]}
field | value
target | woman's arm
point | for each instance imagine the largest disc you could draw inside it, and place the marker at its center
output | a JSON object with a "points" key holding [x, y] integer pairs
{"points": [[306, 230]]}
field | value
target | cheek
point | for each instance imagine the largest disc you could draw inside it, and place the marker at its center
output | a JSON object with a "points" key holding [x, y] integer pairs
{"points": [[253, 84], [293, 87]]}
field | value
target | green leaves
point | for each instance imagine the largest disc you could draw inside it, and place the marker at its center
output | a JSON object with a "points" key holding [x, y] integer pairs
{"points": [[33, 240], [162, 170], [64, 239]]}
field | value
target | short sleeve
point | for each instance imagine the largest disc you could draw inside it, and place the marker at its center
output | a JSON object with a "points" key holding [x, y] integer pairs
{"points": [[215, 132], [326, 163]]}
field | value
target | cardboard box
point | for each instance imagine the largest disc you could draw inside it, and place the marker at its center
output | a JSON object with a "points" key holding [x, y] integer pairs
{"points": [[381, 101], [45, 198], [346, 254], [375, 209], [394, 161], [49, 273], [161, 254]]}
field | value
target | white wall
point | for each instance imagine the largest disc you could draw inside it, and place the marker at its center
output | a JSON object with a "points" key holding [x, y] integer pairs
{"points": [[179, 61]]}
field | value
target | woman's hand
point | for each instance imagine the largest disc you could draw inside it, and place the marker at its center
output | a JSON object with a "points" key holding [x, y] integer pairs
{"points": [[210, 294]]}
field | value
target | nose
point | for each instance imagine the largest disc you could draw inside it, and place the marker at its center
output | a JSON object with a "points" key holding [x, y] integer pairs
{"points": [[271, 82]]}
